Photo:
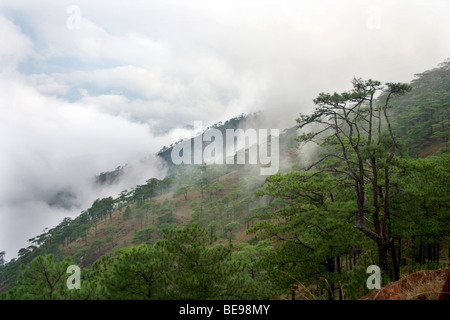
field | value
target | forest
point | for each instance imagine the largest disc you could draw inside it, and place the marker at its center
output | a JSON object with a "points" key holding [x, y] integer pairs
{"points": [[376, 192]]}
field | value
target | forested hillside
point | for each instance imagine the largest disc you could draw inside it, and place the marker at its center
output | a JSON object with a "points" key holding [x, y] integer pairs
{"points": [[420, 117], [377, 192]]}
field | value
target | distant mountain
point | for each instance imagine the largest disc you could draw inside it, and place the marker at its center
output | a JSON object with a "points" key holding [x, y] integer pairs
{"points": [[233, 123], [110, 177]]}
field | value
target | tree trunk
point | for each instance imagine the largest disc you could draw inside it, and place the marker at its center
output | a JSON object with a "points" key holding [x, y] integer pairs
{"points": [[338, 264], [395, 266], [349, 262], [448, 256], [421, 259], [330, 268], [382, 256], [437, 250]]}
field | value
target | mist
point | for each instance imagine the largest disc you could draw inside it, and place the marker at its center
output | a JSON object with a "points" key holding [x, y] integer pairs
{"points": [[87, 87]]}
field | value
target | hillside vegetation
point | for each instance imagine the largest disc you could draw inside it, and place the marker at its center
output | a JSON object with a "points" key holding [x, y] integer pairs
{"points": [[376, 193]]}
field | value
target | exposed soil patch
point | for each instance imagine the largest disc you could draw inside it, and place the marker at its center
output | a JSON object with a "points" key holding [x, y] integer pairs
{"points": [[421, 285]]}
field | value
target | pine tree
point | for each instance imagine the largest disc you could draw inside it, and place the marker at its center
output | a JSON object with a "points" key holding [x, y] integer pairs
{"points": [[362, 145]]}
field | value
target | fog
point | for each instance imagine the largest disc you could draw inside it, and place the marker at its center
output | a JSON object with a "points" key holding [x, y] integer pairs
{"points": [[86, 87]]}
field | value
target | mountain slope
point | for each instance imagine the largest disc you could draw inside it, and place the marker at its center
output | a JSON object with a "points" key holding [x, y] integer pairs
{"points": [[421, 117], [292, 215]]}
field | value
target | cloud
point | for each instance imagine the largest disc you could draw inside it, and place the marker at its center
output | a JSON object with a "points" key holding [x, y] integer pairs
{"points": [[50, 146], [16, 46], [47, 85]]}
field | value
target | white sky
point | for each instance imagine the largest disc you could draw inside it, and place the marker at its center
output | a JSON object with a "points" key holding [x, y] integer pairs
{"points": [[84, 93]]}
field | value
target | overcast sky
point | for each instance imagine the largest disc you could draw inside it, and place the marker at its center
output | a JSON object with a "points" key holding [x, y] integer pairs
{"points": [[86, 86]]}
